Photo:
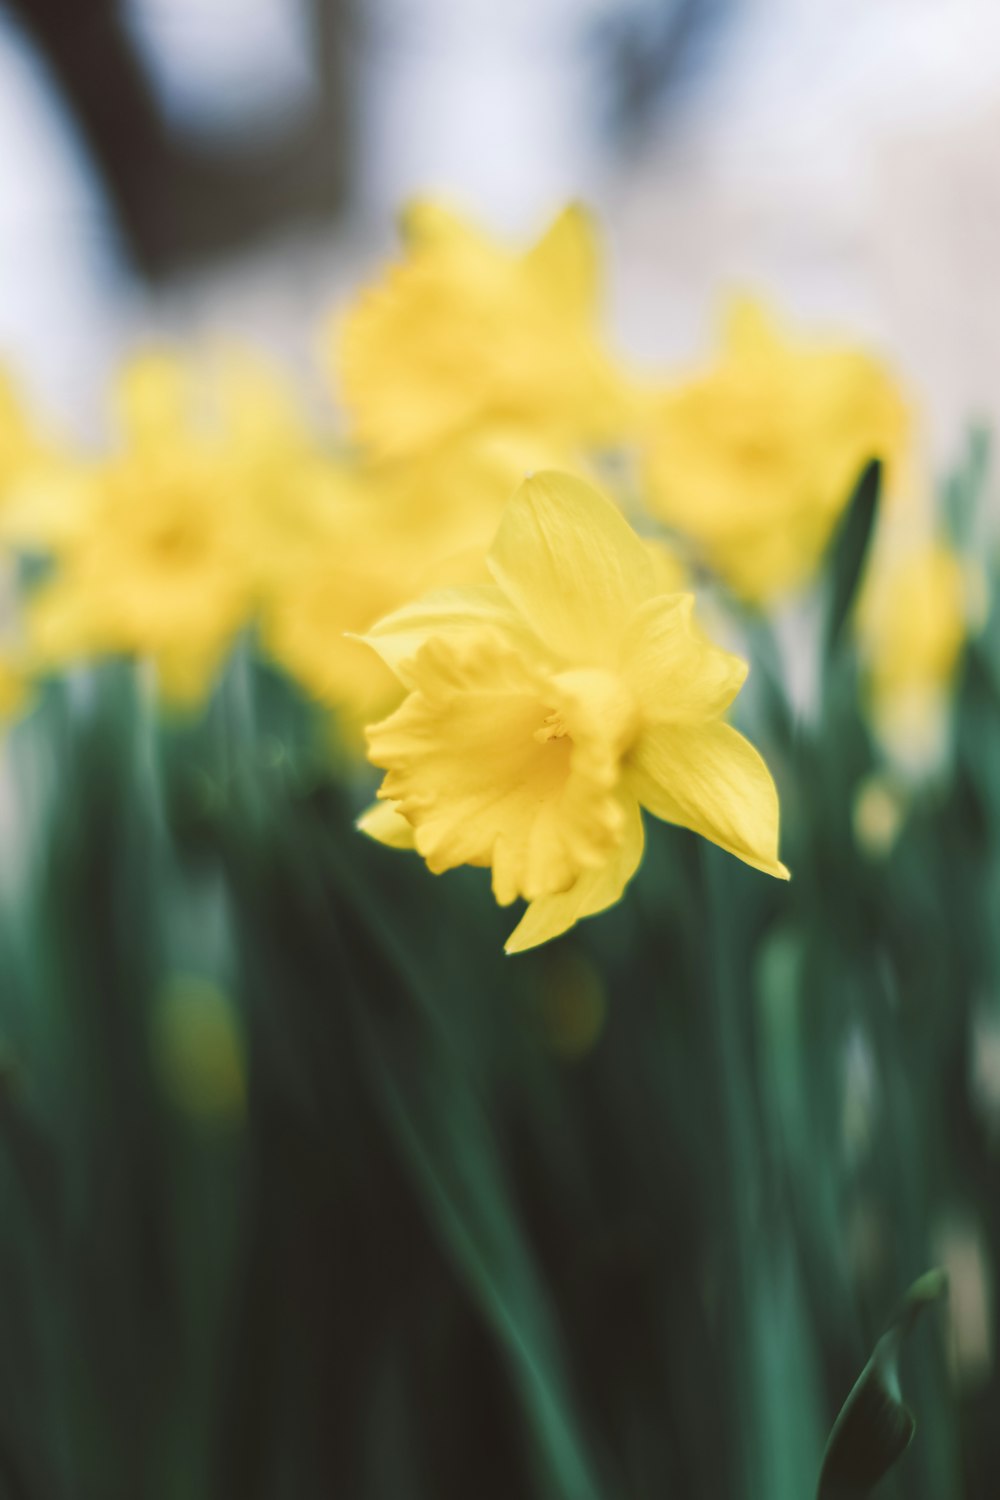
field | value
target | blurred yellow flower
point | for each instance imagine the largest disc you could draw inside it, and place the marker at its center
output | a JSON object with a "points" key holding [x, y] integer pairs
{"points": [[288, 485], [544, 709], [158, 572], [463, 334], [914, 622], [236, 411], [754, 460], [218, 489]]}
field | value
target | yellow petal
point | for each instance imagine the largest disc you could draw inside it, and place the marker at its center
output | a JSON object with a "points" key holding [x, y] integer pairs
{"points": [[748, 327], [256, 405], [593, 891], [451, 613], [154, 395], [913, 619], [383, 823], [565, 262], [675, 672], [425, 221], [571, 564], [671, 575], [711, 780]]}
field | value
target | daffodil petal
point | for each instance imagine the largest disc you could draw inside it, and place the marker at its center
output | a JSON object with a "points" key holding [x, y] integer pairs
{"points": [[676, 673], [449, 613], [671, 576], [569, 561], [712, 780], [593, 891], [425, 221], [386, 826], [748, 327], [565, 262], [155, 392]]}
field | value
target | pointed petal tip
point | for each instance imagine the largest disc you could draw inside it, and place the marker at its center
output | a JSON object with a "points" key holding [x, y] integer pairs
{"points": [[369, 818], [772, 867], [386, 825], [515, 944], [527, 934]]}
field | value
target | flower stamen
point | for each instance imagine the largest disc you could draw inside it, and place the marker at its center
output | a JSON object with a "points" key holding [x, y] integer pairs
{"points": [[553, 727]]}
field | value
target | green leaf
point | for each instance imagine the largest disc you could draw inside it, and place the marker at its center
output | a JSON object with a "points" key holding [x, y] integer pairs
{"points": [[848, 552], [875, 1426]]}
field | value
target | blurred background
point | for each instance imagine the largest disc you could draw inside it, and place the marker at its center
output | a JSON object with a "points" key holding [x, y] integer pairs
{"points": [[298, 1207], [168, 164]]}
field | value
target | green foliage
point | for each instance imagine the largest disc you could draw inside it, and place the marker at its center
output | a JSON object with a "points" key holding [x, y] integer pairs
{"points": [[848, 554], [874, 1427], [306, 1190]]}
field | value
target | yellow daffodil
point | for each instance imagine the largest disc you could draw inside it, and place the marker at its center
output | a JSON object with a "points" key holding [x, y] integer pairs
{"points": [[218, 488], [917, 619], [754, 460], [158, 573], [235, 412], [914, 623], [324, 544], [545, 709], [463, 334]]}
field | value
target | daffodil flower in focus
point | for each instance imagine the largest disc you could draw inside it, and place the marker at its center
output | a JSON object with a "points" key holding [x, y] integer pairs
{"points": [[545, 709]]}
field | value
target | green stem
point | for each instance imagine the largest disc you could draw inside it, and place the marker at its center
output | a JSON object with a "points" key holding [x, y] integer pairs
{"points": [[780, 1434]]}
